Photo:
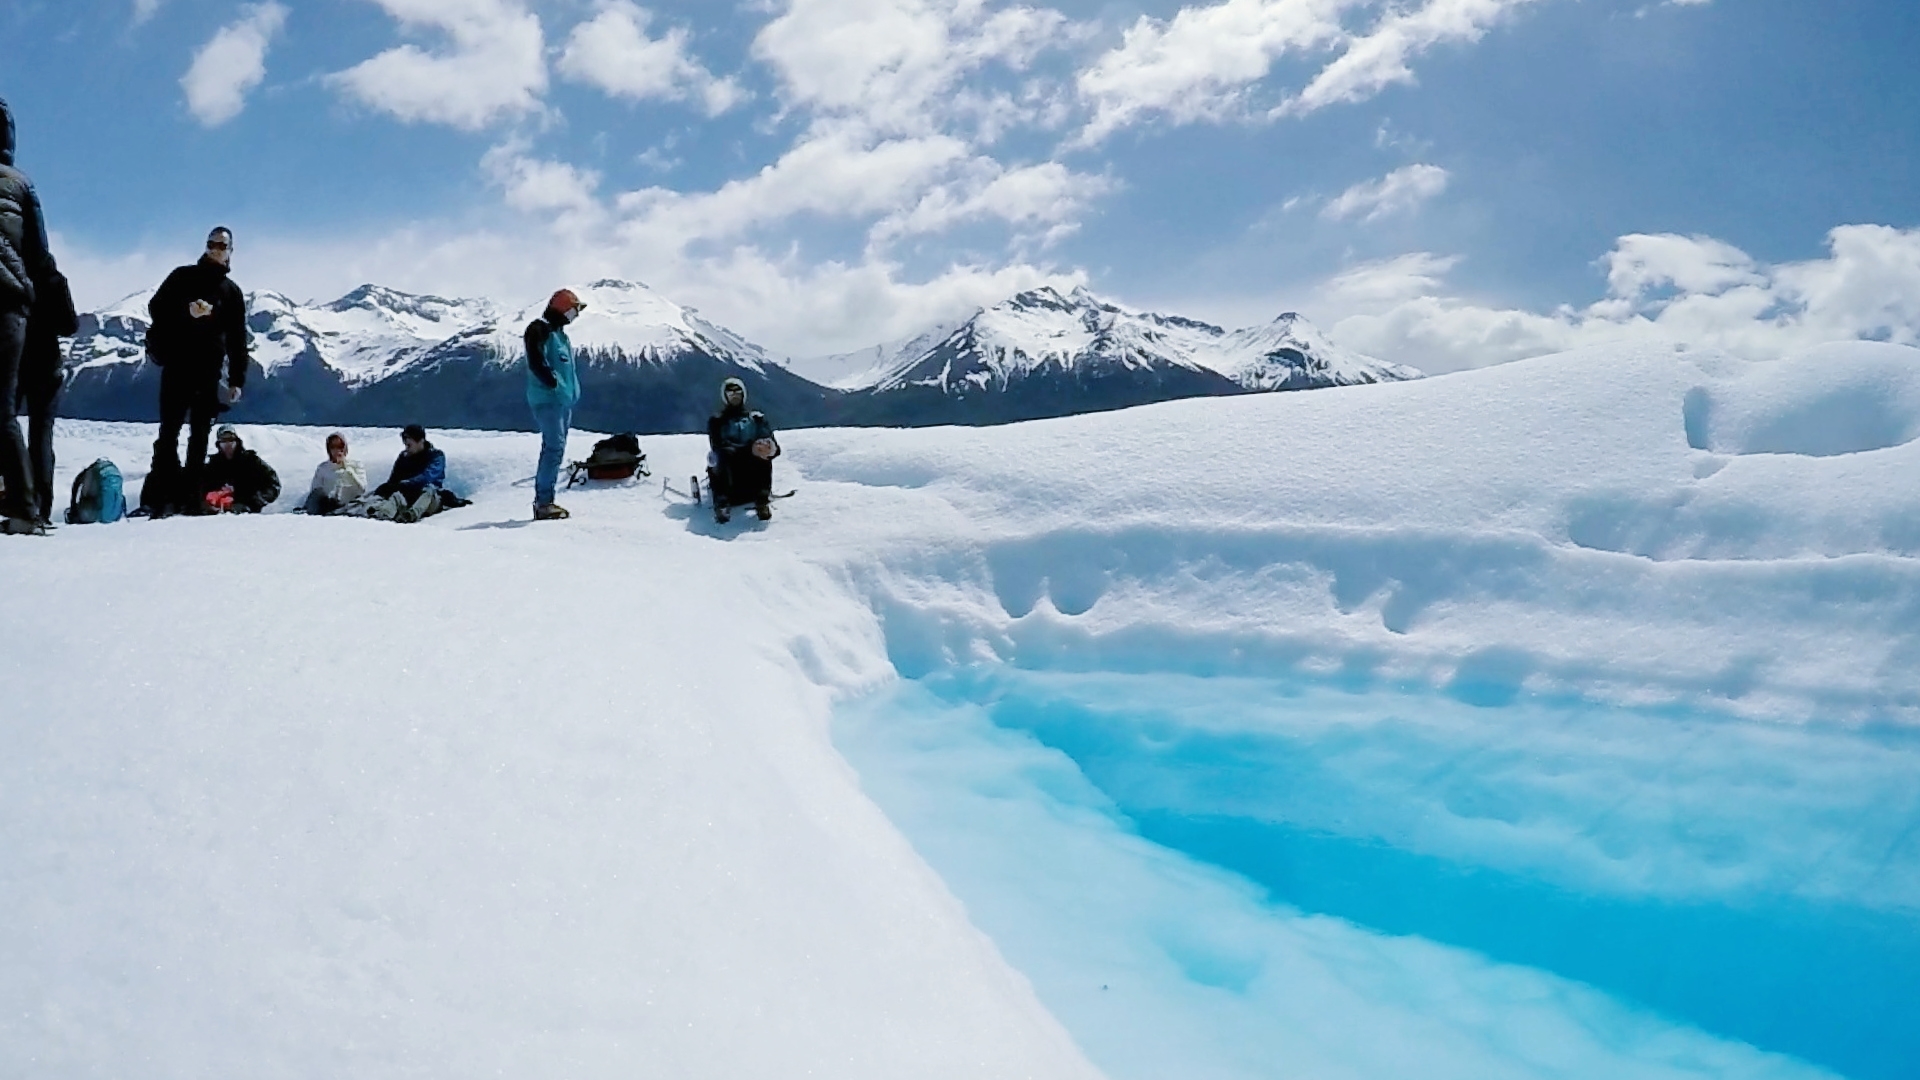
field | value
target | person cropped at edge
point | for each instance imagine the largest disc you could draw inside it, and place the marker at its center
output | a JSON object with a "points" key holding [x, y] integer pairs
{"points": [[553, 389], [740, 468], [199, 319], [27, 269], [337, 481], [236, 480]]}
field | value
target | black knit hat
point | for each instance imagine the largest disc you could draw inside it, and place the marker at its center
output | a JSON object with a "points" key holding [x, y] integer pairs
{"points": [[414, 432]]}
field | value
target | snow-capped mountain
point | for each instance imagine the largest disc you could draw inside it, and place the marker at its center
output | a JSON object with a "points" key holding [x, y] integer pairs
{"points": [[1042, 353], [1291, 353], [380, 356], [862, 368]]}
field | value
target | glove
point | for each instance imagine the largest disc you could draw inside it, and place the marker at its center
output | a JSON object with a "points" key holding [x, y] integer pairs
{"points": [[763, 449]]}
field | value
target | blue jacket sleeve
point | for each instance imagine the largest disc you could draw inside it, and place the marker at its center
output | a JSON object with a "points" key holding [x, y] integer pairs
{"points": [[435, 474]]}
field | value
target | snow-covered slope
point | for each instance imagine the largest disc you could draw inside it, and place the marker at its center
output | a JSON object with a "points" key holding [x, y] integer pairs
{"points": [[1291, 353], [1042, 329], [371, 333], [628, 321], [1043, 353], [862, 368], [297, 797]]}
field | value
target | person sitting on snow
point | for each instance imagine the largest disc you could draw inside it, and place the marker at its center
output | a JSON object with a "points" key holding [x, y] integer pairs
{"points": [[337, 481], [416, 488], [740, 464], [235, 479]]}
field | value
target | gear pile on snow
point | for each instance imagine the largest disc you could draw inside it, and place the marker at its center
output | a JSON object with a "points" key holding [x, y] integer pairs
{"points": [[617, 457]]}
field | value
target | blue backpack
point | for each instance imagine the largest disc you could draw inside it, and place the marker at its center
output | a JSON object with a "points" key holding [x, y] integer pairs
{"points": [[97, 497]]}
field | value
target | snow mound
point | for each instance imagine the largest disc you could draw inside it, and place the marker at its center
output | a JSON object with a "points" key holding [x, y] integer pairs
{"points": [[1843, 398]]}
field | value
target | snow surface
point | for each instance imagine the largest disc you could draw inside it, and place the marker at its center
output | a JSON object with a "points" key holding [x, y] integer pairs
{"points": [[295, 797]]}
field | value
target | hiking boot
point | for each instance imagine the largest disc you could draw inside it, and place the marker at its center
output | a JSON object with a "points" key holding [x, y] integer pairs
{"points": [[22, 526], [721, 514], [550, 512], [763, 508]]}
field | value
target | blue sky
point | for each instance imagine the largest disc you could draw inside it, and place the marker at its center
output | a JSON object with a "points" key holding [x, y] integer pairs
{"points": [[1441, 182]]}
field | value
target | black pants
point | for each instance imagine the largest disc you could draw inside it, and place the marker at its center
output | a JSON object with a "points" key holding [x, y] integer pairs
{"points": [[20, 500], [740, 478], [184, 398], [41, 377]]}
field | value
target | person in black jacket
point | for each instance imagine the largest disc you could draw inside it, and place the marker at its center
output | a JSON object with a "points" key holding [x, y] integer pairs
{"points": [[27, 275], [740, 467], [236, 480], [199, 321]]}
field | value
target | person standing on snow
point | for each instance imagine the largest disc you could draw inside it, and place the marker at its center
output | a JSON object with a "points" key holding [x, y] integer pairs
{"points": [[199, 319], [27, 276], [740, 467], [553, 389]]}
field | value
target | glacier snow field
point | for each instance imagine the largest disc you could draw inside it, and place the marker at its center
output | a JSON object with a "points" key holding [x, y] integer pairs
{"points": [[1554, 720]]}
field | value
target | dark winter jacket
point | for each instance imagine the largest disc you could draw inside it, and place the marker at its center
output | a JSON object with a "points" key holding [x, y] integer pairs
{"points": [[414, 473], [193, 348], [26, 261], [734, 430], [255, 484]]}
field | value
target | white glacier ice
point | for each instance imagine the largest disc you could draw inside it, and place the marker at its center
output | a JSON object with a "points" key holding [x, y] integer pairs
{"points": [[297, 797]]}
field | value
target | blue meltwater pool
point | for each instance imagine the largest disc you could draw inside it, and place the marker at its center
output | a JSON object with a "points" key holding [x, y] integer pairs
{"points": [[1216, 877]]}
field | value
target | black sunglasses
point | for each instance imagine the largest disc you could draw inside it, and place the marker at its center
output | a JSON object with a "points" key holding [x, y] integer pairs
{"points": [[218, 245]]}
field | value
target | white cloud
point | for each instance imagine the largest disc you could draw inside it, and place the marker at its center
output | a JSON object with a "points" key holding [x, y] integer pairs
{"points": [[535, 186], [144, 10], [1693, 290], [1047, 195], [830, 175], [231, 64], [891, 66], [1198, 65], [1207, 61], [1379, 59], [496, 67], [613, 52], [1398, 192]]}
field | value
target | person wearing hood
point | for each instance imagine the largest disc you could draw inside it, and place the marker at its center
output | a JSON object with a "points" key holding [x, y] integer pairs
{"points": [[237, 480], [28, 281], [337, 481], [199, 322], [553, 389], [740, 466]]}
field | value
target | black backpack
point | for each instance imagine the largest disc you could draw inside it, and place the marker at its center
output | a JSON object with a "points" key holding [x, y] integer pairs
{"points": [[616, 457]]}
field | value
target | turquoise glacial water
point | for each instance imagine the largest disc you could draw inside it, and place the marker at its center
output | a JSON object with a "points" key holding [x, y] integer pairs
{"points": [[1750, 885]]}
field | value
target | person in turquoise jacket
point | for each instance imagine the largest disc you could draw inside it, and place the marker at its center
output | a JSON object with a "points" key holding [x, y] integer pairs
{"points": [[553, 389]]}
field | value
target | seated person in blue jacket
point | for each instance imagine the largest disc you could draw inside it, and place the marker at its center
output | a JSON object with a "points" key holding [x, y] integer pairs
{"points": [[740, 466], [416, 487], [235, 479]]}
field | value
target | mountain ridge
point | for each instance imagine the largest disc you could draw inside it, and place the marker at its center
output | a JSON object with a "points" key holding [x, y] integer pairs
{"points": [[378, 355]]}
